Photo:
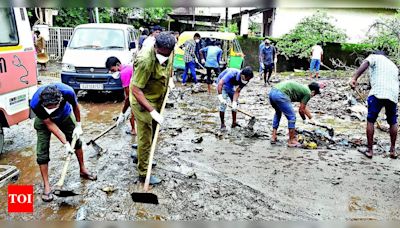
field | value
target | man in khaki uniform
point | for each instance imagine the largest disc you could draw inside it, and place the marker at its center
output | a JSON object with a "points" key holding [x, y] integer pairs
{"points": [[147, 91]]}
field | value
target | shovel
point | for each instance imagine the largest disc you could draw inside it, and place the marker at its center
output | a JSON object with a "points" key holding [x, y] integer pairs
{"points": [[252, 121], [58, 191], [203, 69], [96, 146]]}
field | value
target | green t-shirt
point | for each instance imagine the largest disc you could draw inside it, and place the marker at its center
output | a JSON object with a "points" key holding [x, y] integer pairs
{"points": [[150, 76], [296, 92]]}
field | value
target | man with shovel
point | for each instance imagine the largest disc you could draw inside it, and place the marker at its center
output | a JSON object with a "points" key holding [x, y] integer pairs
{"points": [[384, 93], [153, 68], [281, 97], [227, 80], [53, 105]]}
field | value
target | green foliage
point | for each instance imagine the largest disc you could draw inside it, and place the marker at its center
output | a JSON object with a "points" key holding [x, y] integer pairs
{"points": [[308, 32], [232, 27], [254, 27], [156, 14], [357, 48], [71, 17], [385, 34]]}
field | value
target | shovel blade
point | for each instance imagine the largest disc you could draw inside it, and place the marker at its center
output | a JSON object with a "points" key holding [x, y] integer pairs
{"points": [[251, 123], [64, 193], [99, 150], [331, 132], [144, 197]]}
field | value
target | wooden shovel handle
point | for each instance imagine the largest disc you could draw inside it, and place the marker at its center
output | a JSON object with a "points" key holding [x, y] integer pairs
{"points": [[244, 112], [154, 142], [101, 134], [60, 183]]}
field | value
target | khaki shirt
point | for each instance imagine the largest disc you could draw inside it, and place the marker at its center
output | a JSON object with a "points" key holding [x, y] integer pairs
{"points": [[150, 77]]}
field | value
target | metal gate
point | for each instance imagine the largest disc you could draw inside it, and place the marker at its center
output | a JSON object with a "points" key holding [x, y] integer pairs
{"points": [[54, 46]]}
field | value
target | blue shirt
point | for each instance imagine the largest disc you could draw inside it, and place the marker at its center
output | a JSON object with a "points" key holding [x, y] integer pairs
{"points": [[268, 54], [260, 48], [231, 77], [213, 56], [69, 98]]}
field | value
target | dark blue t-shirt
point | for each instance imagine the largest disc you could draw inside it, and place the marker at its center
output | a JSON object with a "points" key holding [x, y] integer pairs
{"points": [[268, 54], [231, 77], [69, 98]]}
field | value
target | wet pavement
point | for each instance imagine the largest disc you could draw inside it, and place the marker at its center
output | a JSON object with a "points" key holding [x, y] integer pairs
{"points": [[216, 175]]}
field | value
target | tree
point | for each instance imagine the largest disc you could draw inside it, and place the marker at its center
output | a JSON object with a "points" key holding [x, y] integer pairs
{"points": [[71, 17], [309, 31], [232, 27], [156, 14], [384, 34]]}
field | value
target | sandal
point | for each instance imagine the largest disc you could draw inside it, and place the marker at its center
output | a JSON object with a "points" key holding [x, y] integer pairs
{"points": [[365, 154], [88, 176], [297, 145], [129, 132], [47, 197]]}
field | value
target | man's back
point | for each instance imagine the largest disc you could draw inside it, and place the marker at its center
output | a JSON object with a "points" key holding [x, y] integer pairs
{"points": [[213, 56], [316, 52], [384, 77]]}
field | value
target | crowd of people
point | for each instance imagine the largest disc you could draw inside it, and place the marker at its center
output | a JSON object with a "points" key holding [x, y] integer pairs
{"points": [[146, 81]]}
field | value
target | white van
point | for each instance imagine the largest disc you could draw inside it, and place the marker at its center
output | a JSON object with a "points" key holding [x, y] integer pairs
{"points": [[83, 63]]}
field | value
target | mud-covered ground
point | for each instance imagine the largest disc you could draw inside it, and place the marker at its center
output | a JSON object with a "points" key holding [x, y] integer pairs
{"points": [[219, 176]]}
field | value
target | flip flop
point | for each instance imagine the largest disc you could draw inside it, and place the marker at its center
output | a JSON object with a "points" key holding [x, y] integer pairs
{"points": [[48, 197], [129, 132], [88, 176], [365, 154], [298, 145]]}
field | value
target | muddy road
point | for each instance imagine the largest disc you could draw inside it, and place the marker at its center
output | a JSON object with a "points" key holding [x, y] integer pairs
{"points": [[236, 175]]}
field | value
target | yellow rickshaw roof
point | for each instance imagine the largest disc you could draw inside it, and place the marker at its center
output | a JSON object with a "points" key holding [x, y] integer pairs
{"points": [[217, 35]]}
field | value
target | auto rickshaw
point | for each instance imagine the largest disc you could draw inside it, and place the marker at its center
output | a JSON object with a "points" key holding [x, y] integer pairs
{"points": [[232, 56]]}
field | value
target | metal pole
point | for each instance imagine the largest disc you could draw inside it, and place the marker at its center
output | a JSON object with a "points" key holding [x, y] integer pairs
{"points": [[194, 12], [97, 14], [59, 42], [226, 17]]}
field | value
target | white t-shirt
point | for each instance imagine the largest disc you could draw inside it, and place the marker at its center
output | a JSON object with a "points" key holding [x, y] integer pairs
{"points": [[316, 52], [149, 41]]}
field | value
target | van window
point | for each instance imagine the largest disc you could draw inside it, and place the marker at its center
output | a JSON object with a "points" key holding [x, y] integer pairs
{"points": [[98, 38], [8, 28]]}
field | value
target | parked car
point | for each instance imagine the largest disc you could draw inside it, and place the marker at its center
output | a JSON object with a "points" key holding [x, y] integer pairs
{"points": [[232, 56], [83, 63]]}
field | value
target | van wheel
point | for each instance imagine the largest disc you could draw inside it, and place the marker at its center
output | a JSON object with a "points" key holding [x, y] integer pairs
{"points": [[1, 139]]}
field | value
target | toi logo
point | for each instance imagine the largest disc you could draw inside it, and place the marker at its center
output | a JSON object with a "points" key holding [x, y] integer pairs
{"points": [[20, 198]]}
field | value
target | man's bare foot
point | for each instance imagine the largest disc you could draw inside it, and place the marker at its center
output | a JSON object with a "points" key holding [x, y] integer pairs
{"points": [[393, 154], [85, 174]]}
